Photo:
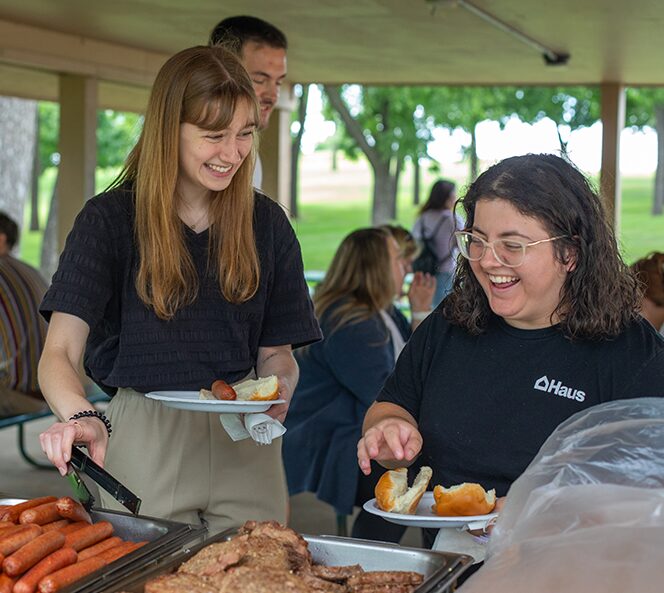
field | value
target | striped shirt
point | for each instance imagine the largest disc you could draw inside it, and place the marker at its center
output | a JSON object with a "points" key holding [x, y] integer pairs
{"points": [[22, 329]]}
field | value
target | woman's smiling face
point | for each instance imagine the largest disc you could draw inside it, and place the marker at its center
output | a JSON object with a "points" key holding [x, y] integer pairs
{"points": [[525, 296]]}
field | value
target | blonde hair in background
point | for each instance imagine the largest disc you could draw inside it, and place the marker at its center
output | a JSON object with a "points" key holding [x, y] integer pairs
{"points": [[408, 247], [202, 86], [359, 278]]}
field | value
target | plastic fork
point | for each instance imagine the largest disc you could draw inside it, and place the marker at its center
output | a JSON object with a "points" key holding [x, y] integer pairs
{"points": [[261, 434]]}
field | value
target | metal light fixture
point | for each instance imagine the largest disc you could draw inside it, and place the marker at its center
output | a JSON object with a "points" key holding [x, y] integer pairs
{"points": [[551, 57]]}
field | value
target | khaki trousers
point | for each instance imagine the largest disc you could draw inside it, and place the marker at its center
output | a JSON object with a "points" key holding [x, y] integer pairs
{"points": [[184, 466]]}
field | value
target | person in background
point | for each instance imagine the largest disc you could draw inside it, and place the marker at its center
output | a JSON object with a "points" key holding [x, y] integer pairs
{"points": [[179, 275], [262, 49], [22, 329], [650, 272], [542, 322], [436, 223], [422, 286], [340, 377]]}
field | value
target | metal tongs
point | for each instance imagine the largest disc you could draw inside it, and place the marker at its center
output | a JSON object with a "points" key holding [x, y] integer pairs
{"points": [[81, 462]]}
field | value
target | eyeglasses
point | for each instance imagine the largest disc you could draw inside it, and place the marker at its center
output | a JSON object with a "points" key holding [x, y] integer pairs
{"points": [[509, 252]]}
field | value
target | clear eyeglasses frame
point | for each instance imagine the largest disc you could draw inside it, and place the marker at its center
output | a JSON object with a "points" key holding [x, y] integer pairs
{"points": [[509, 252]]}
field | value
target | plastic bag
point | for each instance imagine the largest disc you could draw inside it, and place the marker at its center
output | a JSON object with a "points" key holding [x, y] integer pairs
{"points": [[588, 513]]}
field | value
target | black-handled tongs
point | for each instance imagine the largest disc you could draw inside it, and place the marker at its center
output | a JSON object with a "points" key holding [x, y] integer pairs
{"points": [[81, 462]]}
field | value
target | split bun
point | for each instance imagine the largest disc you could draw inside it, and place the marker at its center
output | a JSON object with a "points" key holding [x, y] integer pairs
{"points": [[463, 500], [393, 494], [262, 389]]}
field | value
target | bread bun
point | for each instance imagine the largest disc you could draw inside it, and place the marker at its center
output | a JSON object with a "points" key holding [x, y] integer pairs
{"points": [[464, 500], [261, 389], [394, 496]]}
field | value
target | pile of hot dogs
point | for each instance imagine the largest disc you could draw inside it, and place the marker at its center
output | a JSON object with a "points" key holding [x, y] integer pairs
{"points": [[48, 543]]}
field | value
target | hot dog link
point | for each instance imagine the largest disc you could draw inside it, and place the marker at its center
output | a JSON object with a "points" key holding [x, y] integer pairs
{"points": [[55, 561], [14, 512], [89, 535], [10, 543], [44, 513], [29, 554], [70, 574], [70, 509]]}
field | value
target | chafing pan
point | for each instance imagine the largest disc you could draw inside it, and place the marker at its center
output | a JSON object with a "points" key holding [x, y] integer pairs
{"points": [[440, 569], [165, 538]]}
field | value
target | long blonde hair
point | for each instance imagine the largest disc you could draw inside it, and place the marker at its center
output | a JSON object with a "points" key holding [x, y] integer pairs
{"points": [[359, 279], [202, 86]]}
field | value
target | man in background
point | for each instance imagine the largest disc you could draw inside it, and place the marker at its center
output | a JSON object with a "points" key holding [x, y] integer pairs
{"points": [[22, 329], [262, 49]]}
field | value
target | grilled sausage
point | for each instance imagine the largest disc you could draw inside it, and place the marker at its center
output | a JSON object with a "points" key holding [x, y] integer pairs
{"points": [[29, 554], [44, 513], [14, 512], [55, 561], [6, 583], [73, 527], [70, 509], [12, 542], [222, 390], [89, 535], [55, 525], [102, 546], [116, 552], [70, 574]]}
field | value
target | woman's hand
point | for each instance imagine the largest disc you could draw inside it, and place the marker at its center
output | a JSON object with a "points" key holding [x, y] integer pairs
{"points": [[421, 292], [279, 361], [58, 439], [391, 439], [500, 503]]}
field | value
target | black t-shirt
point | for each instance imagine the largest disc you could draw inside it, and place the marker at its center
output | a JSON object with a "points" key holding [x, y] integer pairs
{"points": [[129, 346], [485, 404]]}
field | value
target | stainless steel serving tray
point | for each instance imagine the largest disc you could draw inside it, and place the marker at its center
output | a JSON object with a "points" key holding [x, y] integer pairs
{"points": [[165, 539], [440, 569]]}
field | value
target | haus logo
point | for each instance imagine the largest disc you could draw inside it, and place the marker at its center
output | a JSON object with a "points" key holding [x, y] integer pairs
{"points": [[556, 387]]}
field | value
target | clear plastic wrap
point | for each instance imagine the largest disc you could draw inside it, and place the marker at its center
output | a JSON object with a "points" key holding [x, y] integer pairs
{"points": [[588, 513]]}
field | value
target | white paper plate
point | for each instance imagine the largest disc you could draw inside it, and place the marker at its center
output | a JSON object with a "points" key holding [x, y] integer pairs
{"points": [[189, 400], [425, 517]]}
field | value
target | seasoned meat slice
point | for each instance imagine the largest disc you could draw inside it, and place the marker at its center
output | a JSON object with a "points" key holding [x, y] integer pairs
{"points": [[216, 558], [384, 589], [265, 552], [283, 534], [385, 577], [176, 583], [247, 580], [339, 574], [321, 585]]}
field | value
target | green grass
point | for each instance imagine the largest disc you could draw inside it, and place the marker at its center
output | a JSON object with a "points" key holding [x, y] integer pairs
{"points": [[323, 224]]}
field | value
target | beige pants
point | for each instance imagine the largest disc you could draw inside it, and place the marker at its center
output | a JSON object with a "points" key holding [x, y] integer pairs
{"points": [[13, 403], [184, 466]]}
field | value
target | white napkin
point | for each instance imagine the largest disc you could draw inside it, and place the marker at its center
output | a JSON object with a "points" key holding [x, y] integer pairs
{"points": [[238, 426]]}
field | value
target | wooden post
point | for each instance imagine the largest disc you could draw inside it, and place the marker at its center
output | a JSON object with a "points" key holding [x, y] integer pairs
{"points": [[613, 121]]}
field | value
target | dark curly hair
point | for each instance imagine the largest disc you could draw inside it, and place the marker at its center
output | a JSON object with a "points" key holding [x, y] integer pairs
{"points": [[600, 296]]}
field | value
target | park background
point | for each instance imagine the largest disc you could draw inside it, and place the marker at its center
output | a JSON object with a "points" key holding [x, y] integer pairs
{"points": [[335, 192]]}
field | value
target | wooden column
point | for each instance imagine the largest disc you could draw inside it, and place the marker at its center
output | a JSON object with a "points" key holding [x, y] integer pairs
{"points": [[78, 149], [275, 143], [613, 121]]}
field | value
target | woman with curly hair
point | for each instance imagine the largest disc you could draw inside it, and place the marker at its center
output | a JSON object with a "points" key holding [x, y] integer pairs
{"points": [[650, 272], [541, 323]]}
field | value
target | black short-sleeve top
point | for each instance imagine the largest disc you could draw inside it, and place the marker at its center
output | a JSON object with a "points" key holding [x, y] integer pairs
{"points": [[129, 346]]}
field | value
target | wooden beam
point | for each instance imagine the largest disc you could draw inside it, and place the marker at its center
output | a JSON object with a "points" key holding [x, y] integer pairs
{"points": [[613, 121]]}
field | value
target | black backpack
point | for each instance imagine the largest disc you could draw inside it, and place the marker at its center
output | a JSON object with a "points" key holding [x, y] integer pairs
{"points": [[427, 261]]}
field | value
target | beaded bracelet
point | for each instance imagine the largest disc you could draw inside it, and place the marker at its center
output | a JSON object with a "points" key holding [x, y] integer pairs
{"points": [[94, 414]]}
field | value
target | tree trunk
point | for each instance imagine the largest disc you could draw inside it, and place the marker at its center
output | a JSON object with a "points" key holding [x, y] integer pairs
{"points": [[384, 195], [36, 171], [49, 253], [17, 136], [334, 164], [658, 199], [474, 160], [295, 151], [416, 180]]}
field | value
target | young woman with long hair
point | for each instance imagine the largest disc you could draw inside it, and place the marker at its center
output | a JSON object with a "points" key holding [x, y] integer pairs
{"points": [[179, 274], [340, 376], [542, 322]]}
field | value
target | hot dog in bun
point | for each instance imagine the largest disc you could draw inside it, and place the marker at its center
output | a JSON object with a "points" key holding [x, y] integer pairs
{"points": [[261, 389], [464, 500], [393, 494]]}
